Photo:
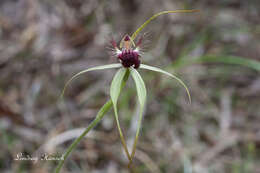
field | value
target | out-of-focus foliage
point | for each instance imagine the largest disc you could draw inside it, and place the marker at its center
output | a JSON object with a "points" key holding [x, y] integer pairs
{"points": [[216, 52]]}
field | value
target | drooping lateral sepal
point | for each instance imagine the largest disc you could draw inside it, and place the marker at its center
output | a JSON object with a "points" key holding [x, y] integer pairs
{"points": [[115, 90], [141, 93]]}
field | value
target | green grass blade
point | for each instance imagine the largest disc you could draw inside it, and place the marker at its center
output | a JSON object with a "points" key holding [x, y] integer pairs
{"points": [[250, 63], [147, 67], [225, 59], [103, 67], [115, 90], [141, 93], [99, 116], [155, 16]]}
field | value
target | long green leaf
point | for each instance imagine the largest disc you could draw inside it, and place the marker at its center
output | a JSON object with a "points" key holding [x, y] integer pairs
{"points": [[147, 67], [156, 15], [115, 90], [103, 67], [141, 93]]}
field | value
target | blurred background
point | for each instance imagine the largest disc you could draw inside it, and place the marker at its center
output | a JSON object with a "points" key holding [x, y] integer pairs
{"points": [[216, 52]]}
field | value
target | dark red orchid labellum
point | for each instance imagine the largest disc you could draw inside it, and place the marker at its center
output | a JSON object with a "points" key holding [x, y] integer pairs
{"points": [[128, 53]]}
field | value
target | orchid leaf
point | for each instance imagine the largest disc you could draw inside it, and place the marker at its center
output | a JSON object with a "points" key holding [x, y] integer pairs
{"points": [[115, 90], [103, 67], [141, 93], [155, 16], [147, 67]]}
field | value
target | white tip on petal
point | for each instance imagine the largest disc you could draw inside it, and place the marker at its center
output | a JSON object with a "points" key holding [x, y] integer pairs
{"points": [[118, 51]]}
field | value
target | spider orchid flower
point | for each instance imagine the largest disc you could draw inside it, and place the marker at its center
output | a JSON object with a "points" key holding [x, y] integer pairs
{"points": [[128, 55]]}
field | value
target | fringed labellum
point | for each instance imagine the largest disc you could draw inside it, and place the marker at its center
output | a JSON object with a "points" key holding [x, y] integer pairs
{"points": [[127, 52]]}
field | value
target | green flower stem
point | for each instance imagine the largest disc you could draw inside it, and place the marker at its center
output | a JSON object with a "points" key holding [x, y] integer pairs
{"points": [[99, 116], [106, 107]]}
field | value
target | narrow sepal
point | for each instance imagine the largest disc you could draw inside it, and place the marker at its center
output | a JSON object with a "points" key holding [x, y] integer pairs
{"points": [[103, 67], [147, 67], [155, 16], [141, 93], [115, 90]]}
